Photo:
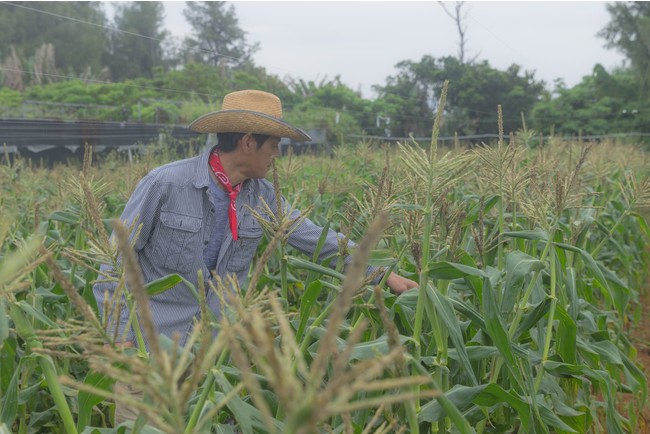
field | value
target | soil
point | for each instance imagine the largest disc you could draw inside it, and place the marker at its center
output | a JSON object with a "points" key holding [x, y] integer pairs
{"points": [[640, 337]]}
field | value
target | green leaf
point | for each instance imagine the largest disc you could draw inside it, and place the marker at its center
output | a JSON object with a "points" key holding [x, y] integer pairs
{"points": [[36, 314], [239, 408], [123, 428], [536, 235], [8, 362], [608, 351], [460, 396], [310, 266], [473, 280], [249, 419], [475, 353], [307, 302], [572, 293], [11, 265], [404, 309], [566, 335], [458, 420], [518, 266], [474, 211], [371, 349], [613, 422], [381, 258], [9, 401], [224, 429], [162, 284], [89, 297], [362, 351], [65, 217], [643, 224], [488, 395], [87, 401], [468, 311], [321, 241], [637, 375], [448, 271], [450, 322], [532, 316], [4, 323], [593, 268], [497, 332]]}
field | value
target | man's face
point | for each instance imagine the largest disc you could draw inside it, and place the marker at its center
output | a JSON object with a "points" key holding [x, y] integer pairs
{"points": [[263, 156]]}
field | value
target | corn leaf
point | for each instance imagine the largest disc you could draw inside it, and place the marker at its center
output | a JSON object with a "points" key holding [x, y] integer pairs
{"points": [[641, 221], [566, 335], [450, 322], [9, 401], [536, 235], [249, 418], [87, 401], [530, 319], [4, 323], [497, 332], [519, 265], [307, 302], [161, 285], [310, 266], [593, 268]]}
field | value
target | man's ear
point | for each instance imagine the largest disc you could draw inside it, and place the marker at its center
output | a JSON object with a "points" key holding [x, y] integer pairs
{"points": [[248, 143]]}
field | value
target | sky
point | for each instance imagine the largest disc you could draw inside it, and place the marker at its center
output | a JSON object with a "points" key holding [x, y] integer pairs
{"points": [[362, 41]]}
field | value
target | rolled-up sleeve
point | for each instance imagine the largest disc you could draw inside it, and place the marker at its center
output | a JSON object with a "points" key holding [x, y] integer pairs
{"points": [[306, 235]]}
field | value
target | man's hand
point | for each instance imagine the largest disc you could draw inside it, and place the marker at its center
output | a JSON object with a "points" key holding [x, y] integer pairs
{"points": [[399, 284]]}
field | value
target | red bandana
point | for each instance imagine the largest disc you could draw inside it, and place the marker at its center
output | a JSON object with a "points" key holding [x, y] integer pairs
{"points": [[220, 173]]}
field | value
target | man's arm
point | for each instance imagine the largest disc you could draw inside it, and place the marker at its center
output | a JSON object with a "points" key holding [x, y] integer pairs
{"points": [[307, 234]]}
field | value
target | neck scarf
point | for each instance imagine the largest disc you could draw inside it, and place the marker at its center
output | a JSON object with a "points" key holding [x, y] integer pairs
{"points": [[220, 173]]}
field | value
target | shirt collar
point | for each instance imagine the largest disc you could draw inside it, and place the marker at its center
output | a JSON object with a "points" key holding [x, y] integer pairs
{"points": [[202, 173]]}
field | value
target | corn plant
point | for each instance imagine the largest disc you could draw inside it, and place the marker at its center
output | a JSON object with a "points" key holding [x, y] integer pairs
{"points": [[530, 263]]}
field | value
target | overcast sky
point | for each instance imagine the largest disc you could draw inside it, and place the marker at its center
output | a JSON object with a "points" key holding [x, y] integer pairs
{"points": [[362, 41]]}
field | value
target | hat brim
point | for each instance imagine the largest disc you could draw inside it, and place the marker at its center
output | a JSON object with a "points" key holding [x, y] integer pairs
{"points": [[247, 121]]}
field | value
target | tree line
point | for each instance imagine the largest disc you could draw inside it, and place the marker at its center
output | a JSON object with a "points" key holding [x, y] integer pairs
{"points": [[71, 52]]}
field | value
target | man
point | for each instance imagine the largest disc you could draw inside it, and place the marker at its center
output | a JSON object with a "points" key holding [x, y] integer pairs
{"points": [[194, 213]]}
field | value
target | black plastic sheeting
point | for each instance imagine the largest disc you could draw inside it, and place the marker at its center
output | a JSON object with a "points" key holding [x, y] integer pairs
{"points": [[34, 135], [57, 140]]}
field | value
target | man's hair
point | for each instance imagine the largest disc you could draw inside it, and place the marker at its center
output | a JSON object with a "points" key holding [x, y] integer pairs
{"points": [[227, 142]]}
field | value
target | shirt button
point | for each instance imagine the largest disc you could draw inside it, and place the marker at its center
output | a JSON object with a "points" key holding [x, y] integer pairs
{"points": [[205, 243]]}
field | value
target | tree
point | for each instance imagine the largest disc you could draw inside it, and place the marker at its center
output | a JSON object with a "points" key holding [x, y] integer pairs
{"points": [[136, 45], [475, 92], [28, 26], [332, 106], [216, 37], [629, 32], [601, 103], [459, 19], [408, 98]]}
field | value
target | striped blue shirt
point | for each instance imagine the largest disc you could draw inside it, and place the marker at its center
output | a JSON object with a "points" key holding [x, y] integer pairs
{"points": [[173, 207]]}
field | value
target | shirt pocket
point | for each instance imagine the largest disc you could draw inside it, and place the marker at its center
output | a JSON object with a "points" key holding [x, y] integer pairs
{"points": [[178, 242], [244, 249]]}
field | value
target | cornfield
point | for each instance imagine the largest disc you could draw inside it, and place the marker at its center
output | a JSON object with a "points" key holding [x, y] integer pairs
{"points": [[530, 264]]}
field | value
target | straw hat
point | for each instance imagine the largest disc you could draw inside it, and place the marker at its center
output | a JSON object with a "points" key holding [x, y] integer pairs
{"points": [[249, 111]]}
